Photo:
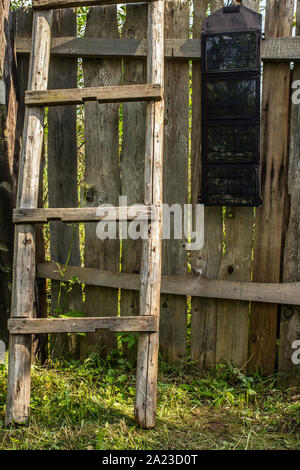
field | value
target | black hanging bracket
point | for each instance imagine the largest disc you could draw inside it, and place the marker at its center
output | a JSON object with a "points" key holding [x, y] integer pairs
{"points": [[232, 7]]}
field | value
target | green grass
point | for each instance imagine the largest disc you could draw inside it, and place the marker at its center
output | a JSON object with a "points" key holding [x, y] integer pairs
{"points": [[90, 406]]}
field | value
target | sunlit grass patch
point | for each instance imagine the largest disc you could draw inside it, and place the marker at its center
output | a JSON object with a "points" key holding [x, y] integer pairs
{"points": [[90, 405]]}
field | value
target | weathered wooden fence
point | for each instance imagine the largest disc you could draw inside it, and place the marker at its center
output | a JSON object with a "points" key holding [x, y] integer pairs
{"points": [[241, 244]]}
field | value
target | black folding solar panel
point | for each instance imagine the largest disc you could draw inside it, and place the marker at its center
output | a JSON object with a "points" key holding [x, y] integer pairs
{"points": [[231, 80]]}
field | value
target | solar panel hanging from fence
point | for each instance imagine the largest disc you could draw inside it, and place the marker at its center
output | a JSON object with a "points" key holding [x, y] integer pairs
{"points": [[231, 78]]}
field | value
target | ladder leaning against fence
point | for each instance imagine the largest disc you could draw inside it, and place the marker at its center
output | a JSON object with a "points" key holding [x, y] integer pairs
{"points": [[22, 324]]}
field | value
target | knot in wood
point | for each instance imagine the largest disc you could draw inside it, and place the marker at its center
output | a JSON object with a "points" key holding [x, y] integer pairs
{"points": [[288, 313], [90, 195], [131, 33], [27, 241], [231, 269]]}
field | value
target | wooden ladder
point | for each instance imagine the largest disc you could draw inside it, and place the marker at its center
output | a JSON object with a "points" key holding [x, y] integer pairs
{"points": [[22, 325]]}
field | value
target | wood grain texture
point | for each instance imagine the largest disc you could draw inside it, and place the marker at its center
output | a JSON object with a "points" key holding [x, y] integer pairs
{"points": [[252, 4], [175, 188], [147, 364], [86, 214], [280, 49], [82, 325], [62, 178], [290, 317], [102, 175], [108, 94], [23, 292], [216, 5], [40, 343], [186, 285], [272, 49], [47, 4], [208, 260], [117, 48], [271, 216], [133, 154], [233, 316]]}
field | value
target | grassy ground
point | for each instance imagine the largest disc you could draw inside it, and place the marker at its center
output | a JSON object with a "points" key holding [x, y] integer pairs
{"points": [[90, 406]]}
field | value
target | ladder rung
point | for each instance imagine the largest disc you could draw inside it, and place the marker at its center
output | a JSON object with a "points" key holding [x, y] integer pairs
{"points": [[49, 4], [20, 326], [106, 94], [87, 214]]}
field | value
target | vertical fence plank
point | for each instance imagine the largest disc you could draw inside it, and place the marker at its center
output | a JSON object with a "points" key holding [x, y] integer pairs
{"points": [[233, 316], [175, 187], [133, 153], [62, 176], [271, 216], [101, 174], [290, 316], [252, 4], [216, 5], [208, 260]]}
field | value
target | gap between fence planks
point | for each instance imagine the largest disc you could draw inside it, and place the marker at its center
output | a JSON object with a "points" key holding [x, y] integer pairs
{"points": [[272, 49], [82, 325], [186, 285], [108, 94]]}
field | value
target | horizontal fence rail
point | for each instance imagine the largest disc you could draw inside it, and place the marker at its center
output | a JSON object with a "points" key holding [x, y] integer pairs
{"points": [[272, 49], [186, 285]]}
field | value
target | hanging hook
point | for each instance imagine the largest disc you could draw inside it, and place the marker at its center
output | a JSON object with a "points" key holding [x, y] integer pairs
{"points": [[233, 3]]}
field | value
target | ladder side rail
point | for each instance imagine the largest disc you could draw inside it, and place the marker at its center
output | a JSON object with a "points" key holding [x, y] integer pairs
{"points": [[24, 267], [147, 363]]}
